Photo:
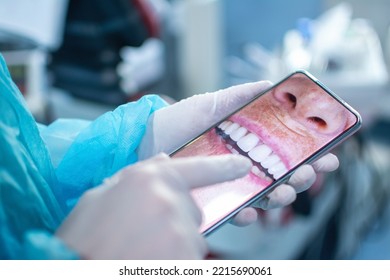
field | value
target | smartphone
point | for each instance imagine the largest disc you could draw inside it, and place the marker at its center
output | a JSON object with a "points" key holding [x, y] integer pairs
{"points": [[290, 124]]}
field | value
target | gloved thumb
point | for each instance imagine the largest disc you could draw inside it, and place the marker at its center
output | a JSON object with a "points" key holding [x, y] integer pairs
{"points": [[203, 110]]}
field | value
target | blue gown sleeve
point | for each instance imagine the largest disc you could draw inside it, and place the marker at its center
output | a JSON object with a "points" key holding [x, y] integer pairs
{"points": [[27, 200], [84, 153], [45, 170]]}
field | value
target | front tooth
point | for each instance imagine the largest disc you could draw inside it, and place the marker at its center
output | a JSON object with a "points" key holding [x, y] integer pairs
{"points": [[270, 161], [279, 174], [260, 153], [231, 149], [255, 170], [238, 134], [277, 168], [224, 125], [248, 142], [231, 128]]}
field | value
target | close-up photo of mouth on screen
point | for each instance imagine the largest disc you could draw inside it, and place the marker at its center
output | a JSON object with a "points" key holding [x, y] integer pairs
{"points": [[292, 123]]}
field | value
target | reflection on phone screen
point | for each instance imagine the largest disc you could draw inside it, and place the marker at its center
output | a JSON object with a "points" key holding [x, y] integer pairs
{"points": [[277, 131]]}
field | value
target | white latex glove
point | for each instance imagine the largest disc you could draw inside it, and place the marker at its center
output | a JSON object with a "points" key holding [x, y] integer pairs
{"points": [[171, 127], [285, 194], [145, 211]]}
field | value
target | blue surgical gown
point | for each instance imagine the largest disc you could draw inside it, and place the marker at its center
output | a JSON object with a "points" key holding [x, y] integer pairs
{"points": [[45, 169]]}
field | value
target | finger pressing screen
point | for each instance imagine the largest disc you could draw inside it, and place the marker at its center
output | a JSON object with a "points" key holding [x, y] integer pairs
{"points": [[204, 171]]}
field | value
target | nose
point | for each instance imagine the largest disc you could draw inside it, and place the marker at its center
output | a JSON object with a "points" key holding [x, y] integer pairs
{"points": [[312, 109]]}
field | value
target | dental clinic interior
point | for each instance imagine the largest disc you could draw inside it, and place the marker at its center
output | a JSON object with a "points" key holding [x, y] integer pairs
{"points": [[82, 58]]}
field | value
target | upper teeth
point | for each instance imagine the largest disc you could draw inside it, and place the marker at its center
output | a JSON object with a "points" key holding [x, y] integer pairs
{"points": [[256, 149]]}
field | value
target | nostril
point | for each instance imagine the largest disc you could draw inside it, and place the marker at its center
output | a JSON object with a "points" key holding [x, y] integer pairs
{"points": [[286, 98], [317, 121], [291, 99]]}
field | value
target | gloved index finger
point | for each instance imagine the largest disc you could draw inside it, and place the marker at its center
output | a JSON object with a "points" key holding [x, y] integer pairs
{"points": [[202, 171]]}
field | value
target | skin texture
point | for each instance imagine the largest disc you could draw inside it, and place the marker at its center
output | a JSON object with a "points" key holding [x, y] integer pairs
{"points": [[293, 120]]}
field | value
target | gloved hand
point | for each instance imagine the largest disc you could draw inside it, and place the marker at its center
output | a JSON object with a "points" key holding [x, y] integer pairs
{"points": [[285, 194], [145, 211], [172, 126]]}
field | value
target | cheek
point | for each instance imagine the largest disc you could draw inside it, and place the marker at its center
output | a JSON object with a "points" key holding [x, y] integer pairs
{"points": [[293, 146]]}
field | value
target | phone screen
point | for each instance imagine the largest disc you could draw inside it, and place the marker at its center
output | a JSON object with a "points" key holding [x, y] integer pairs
{"points": [[290, 124]]}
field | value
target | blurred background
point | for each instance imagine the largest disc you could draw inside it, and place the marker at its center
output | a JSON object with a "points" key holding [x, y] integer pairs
{"points": [[81, 58]]}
